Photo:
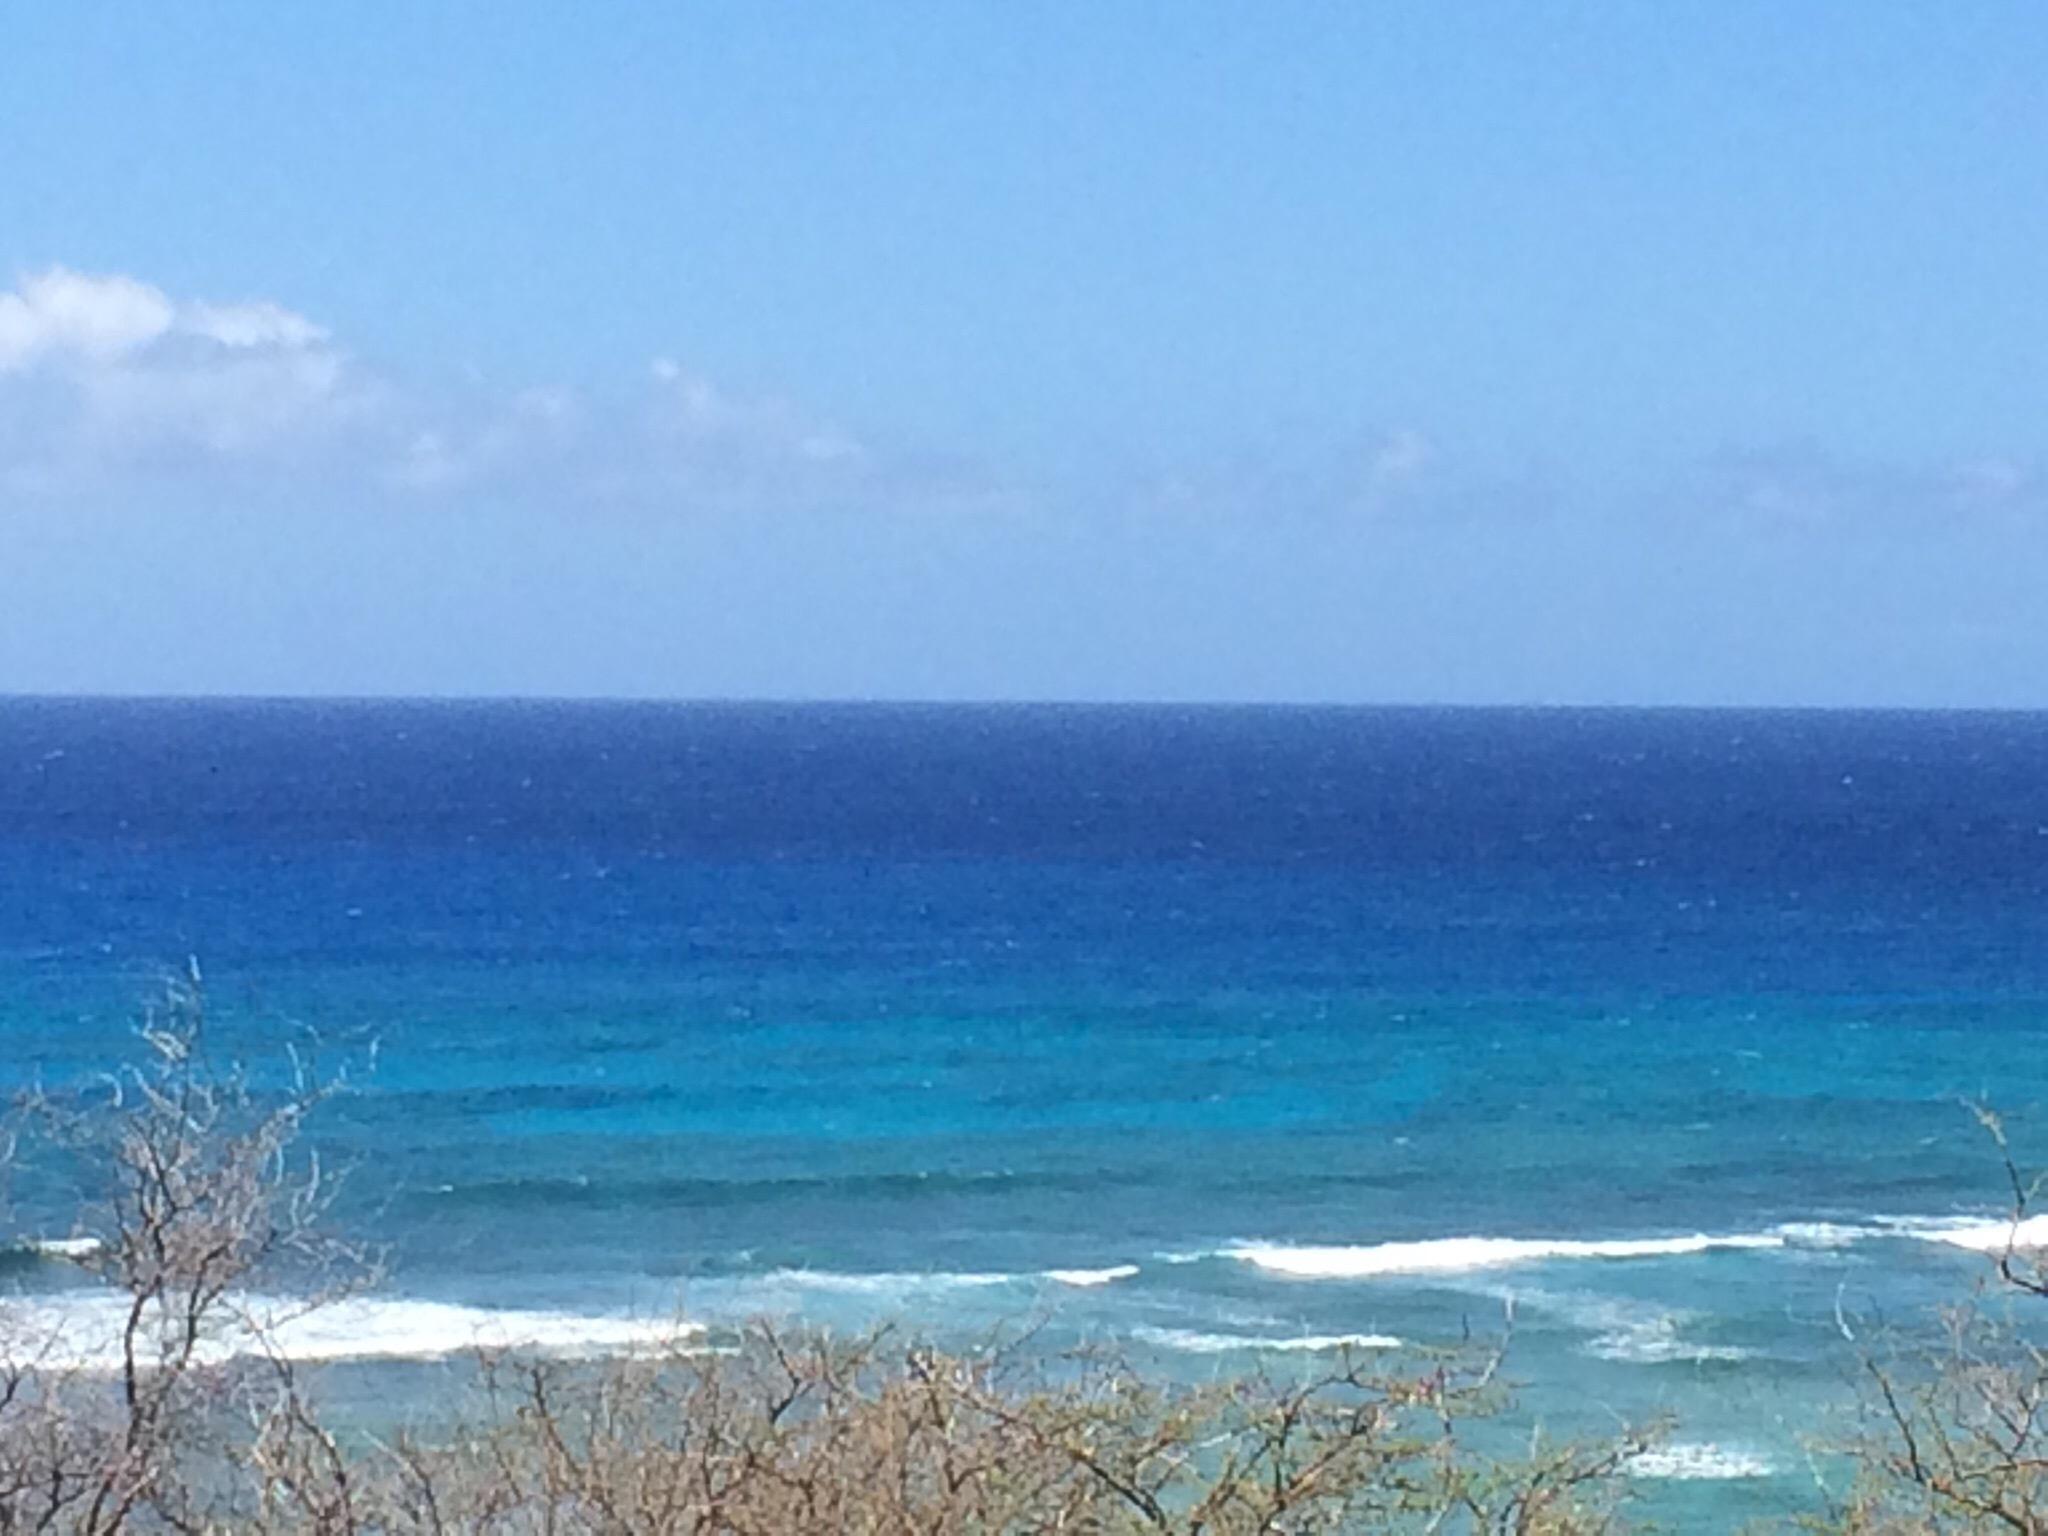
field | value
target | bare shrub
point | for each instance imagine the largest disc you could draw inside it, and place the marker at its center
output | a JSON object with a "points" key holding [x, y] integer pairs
{"points": [[126, 1412], [1956, 1438], [811, 1436]]}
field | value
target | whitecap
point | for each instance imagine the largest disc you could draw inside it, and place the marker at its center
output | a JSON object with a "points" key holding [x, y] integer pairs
{"points": [[1453, 1255], [1695, 1461], [1188, 1341], [1623, 1329], [883, 1282], [1658, 1341], [911, 1282], [82, 1330], [1091, 1277], [1976, 1234], [1823, 1234], [74, 1249]]}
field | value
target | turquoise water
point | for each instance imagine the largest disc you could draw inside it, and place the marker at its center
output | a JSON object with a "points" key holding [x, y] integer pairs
{"points": [[1222, 1034]]}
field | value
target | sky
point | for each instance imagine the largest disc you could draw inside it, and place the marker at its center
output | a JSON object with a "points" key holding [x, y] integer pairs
{"points": [[1682, 353]]}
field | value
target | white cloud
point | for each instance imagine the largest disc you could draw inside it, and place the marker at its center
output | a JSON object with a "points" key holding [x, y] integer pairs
{"points": [[103, 372], [710, 444], [262, 324], [694, 414], [61, 318], [107, 380], [61, 315], [533, 431], [231, 406], [686, 445]]}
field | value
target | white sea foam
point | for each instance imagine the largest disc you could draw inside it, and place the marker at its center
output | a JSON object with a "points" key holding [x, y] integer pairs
{"points": [[1696, 1461], [1454, 1255], [911, 1282], [883, 1282], [1624, 1328], [1188, 1341], [1977, 1235], [1091, 1277], [83, 1329], [1822, 1234], [74, 1249], [1658, 1340]]}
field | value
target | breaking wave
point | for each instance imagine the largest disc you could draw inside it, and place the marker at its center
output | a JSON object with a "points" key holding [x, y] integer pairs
{"points": [[1638, 1332], [1460, 1255], [1975, 1234], [1189, 1342], [1695, 1461], [74, 1249], [83, 1330], [1456, 1255], [1091, 1277], [913, 1282]]}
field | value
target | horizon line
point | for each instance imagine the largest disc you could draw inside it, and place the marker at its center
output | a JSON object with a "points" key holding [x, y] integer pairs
{"points": [[884, 702]]}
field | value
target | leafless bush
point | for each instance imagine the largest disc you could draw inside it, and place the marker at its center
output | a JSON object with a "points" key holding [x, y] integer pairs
{"points": [[1956, 1438], [107, 1422], [809, 1436]]}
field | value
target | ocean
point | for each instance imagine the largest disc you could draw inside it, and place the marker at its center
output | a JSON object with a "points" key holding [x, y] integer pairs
{"points": [[1220, 1034]]}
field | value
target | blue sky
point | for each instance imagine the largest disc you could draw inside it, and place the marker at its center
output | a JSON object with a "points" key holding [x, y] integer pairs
{"points": [[1530, 353]]}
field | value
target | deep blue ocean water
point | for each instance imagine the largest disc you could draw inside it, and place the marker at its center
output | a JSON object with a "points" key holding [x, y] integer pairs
{"points": [[1179, 1027]]}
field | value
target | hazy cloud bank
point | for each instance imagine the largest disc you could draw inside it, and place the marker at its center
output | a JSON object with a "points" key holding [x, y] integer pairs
{"points": [[107, 379], [208, 495]]}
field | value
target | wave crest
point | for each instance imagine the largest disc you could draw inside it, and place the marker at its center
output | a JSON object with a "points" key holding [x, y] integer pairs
{"points": [[1455, 1255], [1698, 1461], [75, 1250], [1190, 1342], [1976, 1235], [912, 1282], [82, 1330], [1091, 1277]]}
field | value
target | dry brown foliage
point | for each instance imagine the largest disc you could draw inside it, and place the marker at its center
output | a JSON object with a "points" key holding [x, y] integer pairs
{"points": [[810, 1436], [1957, 1438], [203, 1200]]}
